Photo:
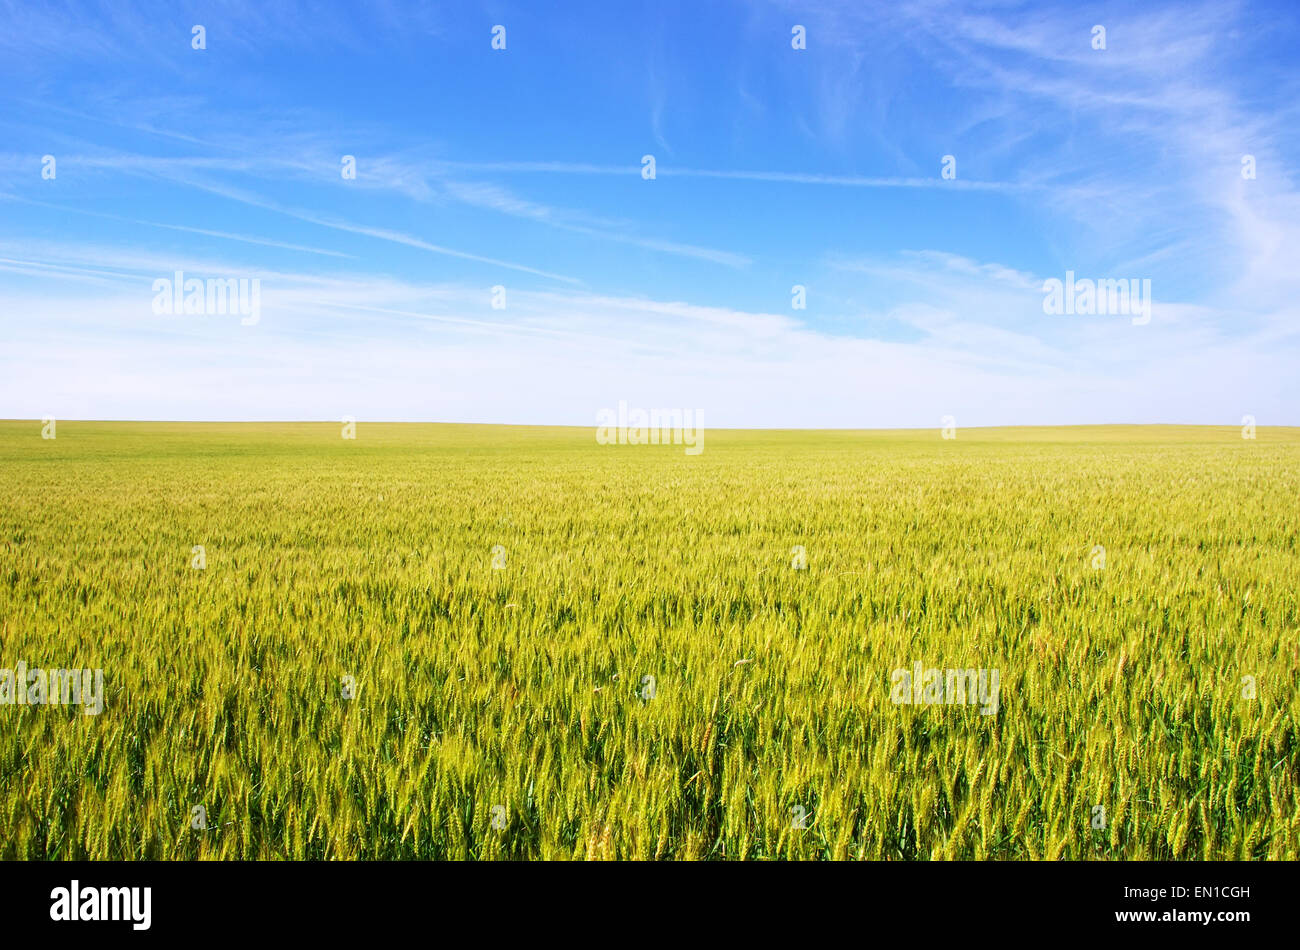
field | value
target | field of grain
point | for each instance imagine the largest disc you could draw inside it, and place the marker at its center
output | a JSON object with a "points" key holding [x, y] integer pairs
{"points": [[560, 649]]}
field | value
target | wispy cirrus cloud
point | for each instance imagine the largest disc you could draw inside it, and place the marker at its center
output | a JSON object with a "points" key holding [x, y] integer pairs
{"points": [[775, 168]]}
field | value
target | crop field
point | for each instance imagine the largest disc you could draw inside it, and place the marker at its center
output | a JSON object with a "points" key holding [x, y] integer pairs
{"points": [[490, 642]]}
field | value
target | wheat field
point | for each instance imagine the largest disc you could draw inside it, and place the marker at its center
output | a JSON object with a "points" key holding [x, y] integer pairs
{"points": [[489, 642]]}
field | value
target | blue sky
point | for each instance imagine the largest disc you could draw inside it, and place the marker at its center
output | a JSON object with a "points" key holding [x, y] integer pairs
{"points": [[776, 167]]}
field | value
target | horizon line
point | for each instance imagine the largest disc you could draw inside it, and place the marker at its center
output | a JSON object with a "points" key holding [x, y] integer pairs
{"points": [[553, 425]]}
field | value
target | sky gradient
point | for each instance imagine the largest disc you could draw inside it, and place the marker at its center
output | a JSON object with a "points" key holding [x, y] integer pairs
{"points": [[521, 168]]}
